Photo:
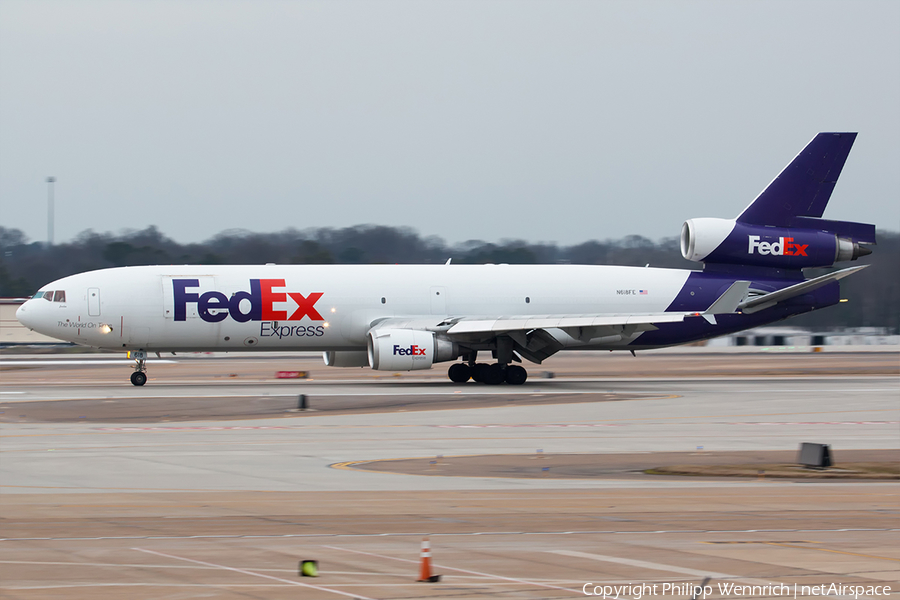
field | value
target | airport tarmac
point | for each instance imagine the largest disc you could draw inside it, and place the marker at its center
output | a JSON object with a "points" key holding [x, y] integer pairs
{"points": [[208, 482]]}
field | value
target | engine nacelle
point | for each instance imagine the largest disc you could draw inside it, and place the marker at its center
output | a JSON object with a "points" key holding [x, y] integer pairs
{"points": [[726, 241], [408, 349], [348, 358]]}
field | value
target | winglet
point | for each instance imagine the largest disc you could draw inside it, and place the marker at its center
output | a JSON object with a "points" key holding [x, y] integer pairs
{"points": [[728, 302]]}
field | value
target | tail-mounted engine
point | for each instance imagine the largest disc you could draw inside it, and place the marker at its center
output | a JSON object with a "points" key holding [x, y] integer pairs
{"points": [[408, 349], [783, 227], [727, 241]]}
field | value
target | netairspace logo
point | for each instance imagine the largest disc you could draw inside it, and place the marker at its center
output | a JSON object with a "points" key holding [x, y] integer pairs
{"points": [[683, 590]]}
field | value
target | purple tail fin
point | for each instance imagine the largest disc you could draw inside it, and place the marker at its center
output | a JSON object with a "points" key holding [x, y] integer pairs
{"points": [[800, 193]]}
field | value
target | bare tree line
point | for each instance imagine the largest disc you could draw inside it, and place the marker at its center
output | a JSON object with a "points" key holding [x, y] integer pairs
{"points": [[874, 294]]}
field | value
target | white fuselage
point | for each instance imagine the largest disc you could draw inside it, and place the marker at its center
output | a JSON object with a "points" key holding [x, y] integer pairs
{"points": [[325, 307]]}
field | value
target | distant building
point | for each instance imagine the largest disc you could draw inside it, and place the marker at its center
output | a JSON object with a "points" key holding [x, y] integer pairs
{"points": [[795, 337]]}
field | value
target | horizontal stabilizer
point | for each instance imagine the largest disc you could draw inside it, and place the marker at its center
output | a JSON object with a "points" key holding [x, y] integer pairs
{"points": [[767, 300], [728, 301], [861, 233]]}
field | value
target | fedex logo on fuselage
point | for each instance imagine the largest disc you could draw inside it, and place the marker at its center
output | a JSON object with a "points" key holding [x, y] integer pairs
{"points": [[259, 305], [783, 247], [413, 350]]}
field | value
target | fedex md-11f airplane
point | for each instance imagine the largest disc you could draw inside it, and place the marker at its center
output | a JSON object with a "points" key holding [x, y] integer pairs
{"points": [[408, 317]]}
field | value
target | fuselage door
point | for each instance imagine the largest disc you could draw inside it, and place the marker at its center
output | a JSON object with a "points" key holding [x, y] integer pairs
{"points": [[438, 300], [93, 302]]}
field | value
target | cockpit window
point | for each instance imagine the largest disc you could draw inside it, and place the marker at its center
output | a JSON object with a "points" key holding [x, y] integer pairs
{"points": [[51, 296]]}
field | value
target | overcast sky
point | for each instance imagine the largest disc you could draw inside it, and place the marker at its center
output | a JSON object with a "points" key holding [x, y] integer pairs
{"points": [[545, 121]]}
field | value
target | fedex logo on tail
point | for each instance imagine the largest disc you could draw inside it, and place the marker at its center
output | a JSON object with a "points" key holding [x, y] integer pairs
{"points": [[413, 350], [785, 246], [256, 305]]}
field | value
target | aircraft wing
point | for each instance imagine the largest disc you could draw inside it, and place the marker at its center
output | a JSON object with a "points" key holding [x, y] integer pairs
{"points": [[529, 323], [726, 303], [532, 340], [529, 334]]}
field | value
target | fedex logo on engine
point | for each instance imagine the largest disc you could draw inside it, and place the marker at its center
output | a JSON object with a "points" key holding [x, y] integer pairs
{"points": [[413, 350], [785, 246], [256, 305]]}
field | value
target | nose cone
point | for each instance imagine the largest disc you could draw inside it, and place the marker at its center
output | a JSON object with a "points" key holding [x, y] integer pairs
{"points": [[25, 316]]}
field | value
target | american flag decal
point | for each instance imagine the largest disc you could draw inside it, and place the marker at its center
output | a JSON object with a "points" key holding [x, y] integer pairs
{"points": [[642, 292]]}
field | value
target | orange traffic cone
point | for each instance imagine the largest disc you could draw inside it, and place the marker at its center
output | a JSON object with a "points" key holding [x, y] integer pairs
{"points": [[425, 571]]}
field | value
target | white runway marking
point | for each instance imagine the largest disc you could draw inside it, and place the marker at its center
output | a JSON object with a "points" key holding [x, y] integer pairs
{"points": [[255, 574], [437, 566], [643, 564], [392, 393], [348, 394], [484, 426], [431, 534], [205, 568], [63, 586], [643, 395], [592, 425], [75, 361]]}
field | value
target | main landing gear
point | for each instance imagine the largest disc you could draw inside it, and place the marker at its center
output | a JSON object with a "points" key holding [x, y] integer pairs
{"points": [[139, 377], [494, 374]]}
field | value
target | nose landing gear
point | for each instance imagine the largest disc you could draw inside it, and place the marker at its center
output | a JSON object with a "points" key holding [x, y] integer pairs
{"points": [[139, 377]]}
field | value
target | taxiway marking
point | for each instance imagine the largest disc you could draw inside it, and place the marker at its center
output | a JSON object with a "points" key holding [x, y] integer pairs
{"points": [[254, 574], [829, 550], [482, 392], [437, 566], [54, 362], [99, 584], [432, 534], [644, 564], [204, 568]]}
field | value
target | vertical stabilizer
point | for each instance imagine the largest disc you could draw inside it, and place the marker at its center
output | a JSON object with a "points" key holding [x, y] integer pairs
{"points": [[782, 229], [804, 187]]}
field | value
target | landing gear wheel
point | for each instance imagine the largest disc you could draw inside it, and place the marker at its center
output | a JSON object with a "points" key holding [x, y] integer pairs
{"points": [[494, 374], [459, 373], [139, 377], [478, 372], [516, 375]]}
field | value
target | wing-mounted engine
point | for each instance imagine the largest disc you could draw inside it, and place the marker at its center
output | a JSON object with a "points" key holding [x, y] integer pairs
{"points": [[346, 358], [727, 241], [408, 349]]}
